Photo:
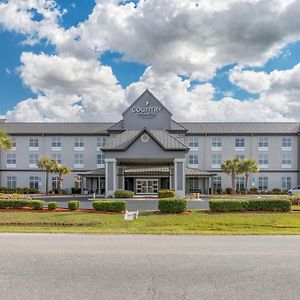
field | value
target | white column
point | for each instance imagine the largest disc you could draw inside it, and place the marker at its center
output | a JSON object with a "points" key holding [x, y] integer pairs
{"points": [[110, 176], [179, 178]]}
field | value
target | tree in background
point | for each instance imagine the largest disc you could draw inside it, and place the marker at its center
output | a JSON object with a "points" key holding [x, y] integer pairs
{"points": [[48, 165], [5, 140], [232, 167], [61, 170], [248, 166]]}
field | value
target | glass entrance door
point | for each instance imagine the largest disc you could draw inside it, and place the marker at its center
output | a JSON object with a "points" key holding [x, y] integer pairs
{"points": [[146, 186]]}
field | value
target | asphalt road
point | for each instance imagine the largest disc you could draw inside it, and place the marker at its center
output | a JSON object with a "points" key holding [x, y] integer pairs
{"points": [[148, 267]]}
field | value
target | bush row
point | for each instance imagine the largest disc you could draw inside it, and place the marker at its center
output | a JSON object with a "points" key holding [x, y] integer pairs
{"points": [[34, 204], [123, 194], [107, 205], [166, 193], [172, 205], [253, 191], [18, 190], [14, 197], [225, 205]]}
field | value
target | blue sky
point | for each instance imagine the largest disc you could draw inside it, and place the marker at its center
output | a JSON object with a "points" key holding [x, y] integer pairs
{"points": [[131, 68]]}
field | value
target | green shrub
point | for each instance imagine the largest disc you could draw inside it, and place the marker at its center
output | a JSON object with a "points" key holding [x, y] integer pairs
{"points": [[73, 205], [14, 197], [225, 205], [76, 190], [220, 205], [52, 205], [106, 205], [36, 204], [172, 205], [228, 190], [277, 191], [166, 193], [123, 194], [254, 190], [10, 203]]}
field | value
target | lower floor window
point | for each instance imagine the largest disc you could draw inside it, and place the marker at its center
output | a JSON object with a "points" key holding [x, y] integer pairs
{"points": [[240, 183], [34, 182], [286, 182], [263, 183], [55, 180], [12, 182], [194, 183], [216, 183]]}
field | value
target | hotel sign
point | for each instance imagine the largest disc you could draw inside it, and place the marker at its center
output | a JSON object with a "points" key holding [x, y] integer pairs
{"points": [[146, 112]]}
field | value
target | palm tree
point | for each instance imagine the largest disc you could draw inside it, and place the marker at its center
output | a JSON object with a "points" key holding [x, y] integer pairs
{"points": [[61, 170], [48, 165], [5, 140], [248, 166], [232, 167]]}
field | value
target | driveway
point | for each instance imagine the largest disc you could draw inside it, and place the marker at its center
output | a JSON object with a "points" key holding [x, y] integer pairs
{"points": [[148, 267]]}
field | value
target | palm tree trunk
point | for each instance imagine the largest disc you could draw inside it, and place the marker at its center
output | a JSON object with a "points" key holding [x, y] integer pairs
{"points": [[47, 182], [233, 183], [246, 183], [59, 184]]}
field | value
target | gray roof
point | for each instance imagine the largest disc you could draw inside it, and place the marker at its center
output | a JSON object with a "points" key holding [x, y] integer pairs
{"points": [[231, 128], [162, 137], [55, 128], [96, 172], [196, 172]]}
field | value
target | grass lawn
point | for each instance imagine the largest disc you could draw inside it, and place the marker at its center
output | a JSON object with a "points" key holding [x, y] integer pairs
{"points": [[198, 222]]}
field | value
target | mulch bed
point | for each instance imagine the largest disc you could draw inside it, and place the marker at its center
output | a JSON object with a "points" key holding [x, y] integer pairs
{"points": [[27, 209], [186, 212]]}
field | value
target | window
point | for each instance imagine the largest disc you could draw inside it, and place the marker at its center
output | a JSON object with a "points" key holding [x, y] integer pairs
{"points": [[193, 159], [216, 160], [12, 182], [101, 141], [33, 159], [263, 160], [34, 182], [78, 143], [100, 160], [14, 143], [286, 143], [239, 143], [263, 143], [56, 143], [286, 160], [11, 160], [216, 143], [78, 161], [216, 183], [33, 143], [240, 183], [55, 181], [263, 183], [240, 156], [286, 182], [193, 184], [57, 157], [193, 142]]}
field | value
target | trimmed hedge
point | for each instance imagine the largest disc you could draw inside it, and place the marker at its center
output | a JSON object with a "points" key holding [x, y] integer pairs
{"points": [[52, 205], [73, 205], [15, 197], [106, 205], [34, 204], [76, 190], [166, 193], [18, 190], [225, 205], [172, 205], [123, 194]]}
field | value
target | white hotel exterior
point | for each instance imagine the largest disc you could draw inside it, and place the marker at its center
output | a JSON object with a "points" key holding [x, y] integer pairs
{"points": [[147, 150]]}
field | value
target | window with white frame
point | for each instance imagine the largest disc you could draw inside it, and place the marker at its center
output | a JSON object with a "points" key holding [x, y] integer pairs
{"points": [[216, 143], [240, 183], [11, 160], [240, 156], [263, 160], [34, 182], [193, 142], [239, 143], [55, 182], [100, 160], [216, 160], [286, 182], [263, 143], [286, 160], [101, 141], [286, 142], [193, 184], [57, 157], [263, 183], [33, 143], [56, 143], [193, 159], [78, 143], [216, 183], [11, 182], [78, 160], [13, 143], [33, 160]]}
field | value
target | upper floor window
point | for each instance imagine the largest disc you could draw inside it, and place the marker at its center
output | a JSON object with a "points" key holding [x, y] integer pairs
{"points": [[101, 141], [11, 160], [216, 143], [12, 182], [14, 143], [263, 160], [78, 160], [286, 160], [286, 142], [216, 160], [239, 143], [193, 159], [33, 160], [33, 143], [100, 160], [79, 143], [193, 142], [57, 157], [263, 143], [240, 156], [56, 143]]}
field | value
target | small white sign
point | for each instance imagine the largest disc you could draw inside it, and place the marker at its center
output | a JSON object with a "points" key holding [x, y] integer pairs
{"points": [[131, 215]]}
